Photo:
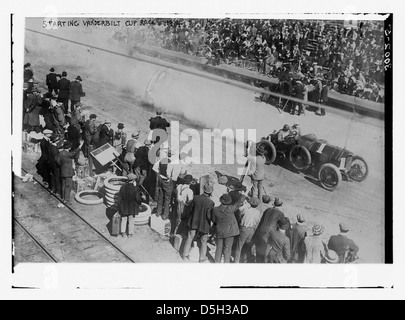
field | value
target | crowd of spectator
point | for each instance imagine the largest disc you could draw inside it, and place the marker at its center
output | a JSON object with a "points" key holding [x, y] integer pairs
{"points": [[349, 58]]}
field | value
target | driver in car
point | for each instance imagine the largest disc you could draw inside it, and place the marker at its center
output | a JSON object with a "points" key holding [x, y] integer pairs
{"points": [[285, 137]]}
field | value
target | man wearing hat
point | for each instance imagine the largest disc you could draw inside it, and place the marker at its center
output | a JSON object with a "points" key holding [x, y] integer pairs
{"points": [[64, 93], [342, 245], [323, 98], [314, 246], [142, 164], [75, 91], [28, 73], [184, 196], [278, 250], [52, 81], [226, 227], [55, 172], [131, 148], [64, 160], [106, 135], [199, 222], [120, 138], [58, 116], [129, 199], [297, 234], [267, 225], [43, 164], [250, 218]]}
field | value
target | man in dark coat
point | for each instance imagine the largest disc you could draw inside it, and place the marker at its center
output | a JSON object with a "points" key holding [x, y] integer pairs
{"points": [[43, 165], [158, 123], [73, 136], [267, 225], [297, 234], [343, 245], [75, 91], [52, 81], [88, 133], [199, 222], [64, 93], [46, 112], [64, 159], [226, 227], [279, 244], [32, 109], [323, 98], [56, 179], [106, 135], [129, 199], [142, 164]]}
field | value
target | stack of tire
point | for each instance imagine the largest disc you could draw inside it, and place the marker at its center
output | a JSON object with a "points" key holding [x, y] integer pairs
{"points": [[112, 187]]}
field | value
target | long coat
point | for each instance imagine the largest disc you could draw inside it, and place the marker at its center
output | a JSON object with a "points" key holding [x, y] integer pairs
{"points": [[63, 85], [129, 200], [268, 224], [32, 115], [201, 214], [75, 91], [52, 81], [106, 136], [224, 219]]}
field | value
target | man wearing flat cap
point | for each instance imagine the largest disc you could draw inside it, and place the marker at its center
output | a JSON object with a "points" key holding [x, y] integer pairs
{"points": [[52, 81], [344, 247], [120, 138], [279, 244], [132, 146], [199, 222], [75, 91], [129, 199], [250, 218], [64, 160], [314, 247]]}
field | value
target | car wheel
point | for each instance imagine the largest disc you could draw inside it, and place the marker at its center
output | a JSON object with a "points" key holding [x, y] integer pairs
{"points": [[359, 169], [271, 152], [79, 197], [300, 158], [329, 176]]}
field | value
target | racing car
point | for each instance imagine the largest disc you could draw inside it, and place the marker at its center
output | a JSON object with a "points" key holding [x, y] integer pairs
{"points": [[328, 163]]}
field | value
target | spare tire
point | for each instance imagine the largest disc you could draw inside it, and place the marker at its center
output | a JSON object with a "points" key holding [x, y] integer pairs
{"points": [[300, 158], [114, 183], [270, 150], [145, 211], [79, 199]]}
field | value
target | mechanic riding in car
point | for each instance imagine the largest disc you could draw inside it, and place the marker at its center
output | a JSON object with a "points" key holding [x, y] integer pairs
{"points": [[284, 136], [296, 131]]}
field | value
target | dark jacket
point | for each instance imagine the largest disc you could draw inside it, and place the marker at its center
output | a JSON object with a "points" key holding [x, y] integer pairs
{"points": [[89, 131], [201, 214], [280, 244], [297, 234], [142, 159], [63, 86], [224, 219], [268, 223], [73, 136], [75, 91], [64, 159], [106, 136], [158, 123], [28, 74], [52, 81], [340, 244], [129, 200]]}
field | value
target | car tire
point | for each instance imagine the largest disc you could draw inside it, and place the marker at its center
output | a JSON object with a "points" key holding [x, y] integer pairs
{"points": [[270, 148], [329, 176], [79, 199], [300, 158], [111, 187], [354, 173]]}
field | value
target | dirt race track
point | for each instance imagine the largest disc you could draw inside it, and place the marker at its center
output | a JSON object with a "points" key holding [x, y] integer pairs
{"points": [[197, 102]]}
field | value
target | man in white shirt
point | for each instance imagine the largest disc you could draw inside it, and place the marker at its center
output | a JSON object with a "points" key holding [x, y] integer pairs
{"points": [[249, 222], [184, 196], [220, 189]]}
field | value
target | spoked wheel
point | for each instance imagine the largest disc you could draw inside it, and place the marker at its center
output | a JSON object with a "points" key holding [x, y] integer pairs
{"points": [[329, 176], [359, 170], [300, 158]]}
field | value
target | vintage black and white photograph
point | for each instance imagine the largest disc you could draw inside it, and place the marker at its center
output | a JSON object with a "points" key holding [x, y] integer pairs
{"points": [[203, 140]]}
